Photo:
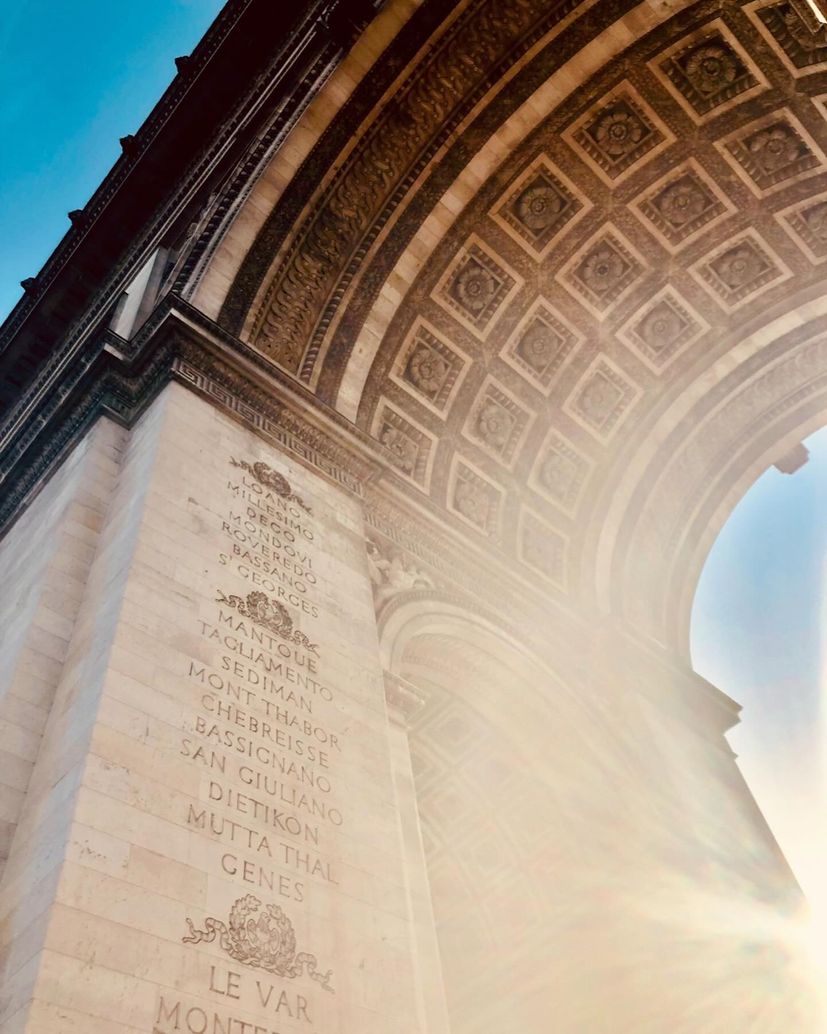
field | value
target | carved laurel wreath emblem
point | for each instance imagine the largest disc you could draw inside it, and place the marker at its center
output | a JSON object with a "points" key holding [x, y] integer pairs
{"points": [[272, 480], [261, 937], [270, 614]]}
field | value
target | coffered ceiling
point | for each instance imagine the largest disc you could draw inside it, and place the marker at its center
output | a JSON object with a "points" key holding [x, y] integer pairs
{"points": [[553, 223]]}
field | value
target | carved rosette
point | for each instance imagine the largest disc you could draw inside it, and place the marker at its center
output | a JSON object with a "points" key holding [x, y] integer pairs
{"points": [[618, 135], [740, 266], [804, 44], [605, 271], [708, 73]]}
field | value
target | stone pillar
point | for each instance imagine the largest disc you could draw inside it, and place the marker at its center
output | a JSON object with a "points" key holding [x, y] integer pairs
{"points": [[404, 702], [44, 566], [210, 839]]}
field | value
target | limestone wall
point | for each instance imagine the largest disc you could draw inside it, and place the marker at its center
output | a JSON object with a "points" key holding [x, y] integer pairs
{"points": [[44, 566], [210, 837], [212, 827]]}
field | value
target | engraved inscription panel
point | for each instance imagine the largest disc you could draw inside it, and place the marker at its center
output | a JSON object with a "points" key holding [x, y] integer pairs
{"points": [[257, 751]]}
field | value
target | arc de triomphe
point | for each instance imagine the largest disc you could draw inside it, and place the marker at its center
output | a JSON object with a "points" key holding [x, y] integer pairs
{"points": [[362, 444]]}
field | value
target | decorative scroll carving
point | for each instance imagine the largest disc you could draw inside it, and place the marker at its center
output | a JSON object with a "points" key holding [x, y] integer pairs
{"points": [[261, 937], [273, 481], [270, 614]]}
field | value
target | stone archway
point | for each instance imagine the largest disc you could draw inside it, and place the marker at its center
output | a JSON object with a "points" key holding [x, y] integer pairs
{"points": [[430, 277], [514, 298], [548, 845]]}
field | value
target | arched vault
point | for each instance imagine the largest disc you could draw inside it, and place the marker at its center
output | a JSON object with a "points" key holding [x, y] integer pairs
{"points": [[564, 261], [535, 288]]}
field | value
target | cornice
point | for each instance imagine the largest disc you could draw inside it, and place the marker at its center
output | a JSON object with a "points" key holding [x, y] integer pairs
{"points": [[259, 69]]}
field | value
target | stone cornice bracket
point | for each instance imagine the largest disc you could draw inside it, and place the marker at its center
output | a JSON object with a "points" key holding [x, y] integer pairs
{"points": [[118, 378], [623, 661], [405, 701], [346, 20], [209, 118], [393, 571]]}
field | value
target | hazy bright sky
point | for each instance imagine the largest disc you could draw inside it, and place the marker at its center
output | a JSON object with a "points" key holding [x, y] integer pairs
{"points": [[757, 634], [74, 78]]}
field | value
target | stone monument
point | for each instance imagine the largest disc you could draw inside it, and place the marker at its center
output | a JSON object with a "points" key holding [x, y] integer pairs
{"points": [[361, 446]]}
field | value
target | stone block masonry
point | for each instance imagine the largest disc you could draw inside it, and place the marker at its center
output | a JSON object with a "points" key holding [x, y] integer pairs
{"points": [[206, 838]]}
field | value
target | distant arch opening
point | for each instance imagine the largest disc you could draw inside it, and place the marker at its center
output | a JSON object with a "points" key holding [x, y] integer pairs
{"points": [[757, 632]]}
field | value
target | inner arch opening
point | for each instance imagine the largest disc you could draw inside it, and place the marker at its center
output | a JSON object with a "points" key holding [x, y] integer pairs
{"points": [[757, 633]]}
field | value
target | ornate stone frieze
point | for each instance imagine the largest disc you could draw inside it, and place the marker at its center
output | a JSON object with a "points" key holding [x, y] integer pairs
{"points": [[256, 409], [404, 133]]}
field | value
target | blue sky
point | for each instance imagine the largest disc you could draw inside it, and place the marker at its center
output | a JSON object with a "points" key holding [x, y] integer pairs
{"points": [[74, 78], [757, 634]]}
